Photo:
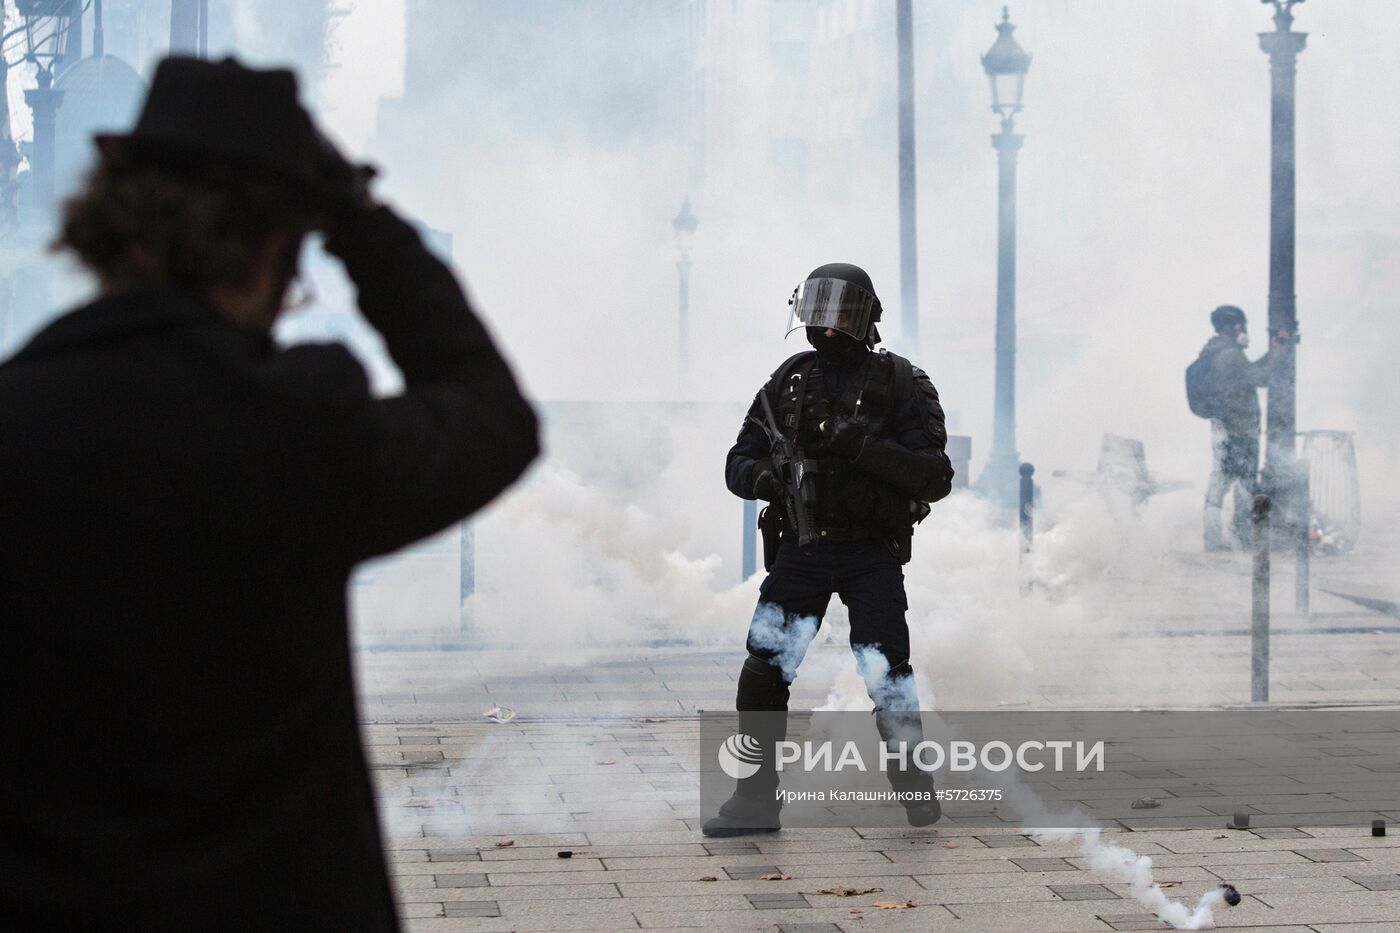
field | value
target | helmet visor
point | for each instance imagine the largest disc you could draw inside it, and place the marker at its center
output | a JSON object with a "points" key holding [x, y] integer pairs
{"points": [[832, 303]]}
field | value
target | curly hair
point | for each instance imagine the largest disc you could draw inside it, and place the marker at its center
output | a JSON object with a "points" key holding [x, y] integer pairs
{"points": [[137, 225]]}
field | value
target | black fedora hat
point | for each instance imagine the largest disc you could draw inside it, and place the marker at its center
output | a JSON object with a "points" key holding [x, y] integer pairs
{"points": [[200, 113]]}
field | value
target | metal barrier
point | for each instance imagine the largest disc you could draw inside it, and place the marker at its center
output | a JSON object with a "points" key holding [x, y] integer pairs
{"points": [[1335, 489]]}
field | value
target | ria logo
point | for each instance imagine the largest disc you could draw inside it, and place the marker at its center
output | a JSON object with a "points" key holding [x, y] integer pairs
{"points": [[740, 755]]}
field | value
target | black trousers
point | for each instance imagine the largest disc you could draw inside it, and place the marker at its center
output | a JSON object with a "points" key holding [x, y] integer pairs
{"points": [[867, 576]]}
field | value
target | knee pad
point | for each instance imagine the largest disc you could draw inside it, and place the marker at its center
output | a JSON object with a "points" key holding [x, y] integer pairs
{"points": [[761, 686]]}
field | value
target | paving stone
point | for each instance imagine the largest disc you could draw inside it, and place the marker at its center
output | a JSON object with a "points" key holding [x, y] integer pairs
{"points": [[454, 855], [460, 881], [1134, 922], [1006, 842], [1280, 833], [779, 901], [1083, 892], [1043, 864], [471, 909], [749, 872], [1329, 855], [1377, 882], [808, 928]]}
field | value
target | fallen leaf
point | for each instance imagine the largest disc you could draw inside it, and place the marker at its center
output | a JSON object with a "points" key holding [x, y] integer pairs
{"points": [[895, 905], [774, 876], [607, 761], [1146, 803], [709, 878], [849, 892], [1165, 884], [1223, 836], [505, 842]]}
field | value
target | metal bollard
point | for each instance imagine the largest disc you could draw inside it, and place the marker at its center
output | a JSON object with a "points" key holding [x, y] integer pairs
{"points": [[1302, 515], [749, 559], [1027, 505], [1259, 630], [466, 579]]}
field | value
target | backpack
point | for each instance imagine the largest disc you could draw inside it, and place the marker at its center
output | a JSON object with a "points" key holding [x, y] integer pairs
{"points": [[1203, 388]]}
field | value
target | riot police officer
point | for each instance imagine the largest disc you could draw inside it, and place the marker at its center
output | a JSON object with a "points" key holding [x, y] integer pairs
{"points": [[847, 446]]}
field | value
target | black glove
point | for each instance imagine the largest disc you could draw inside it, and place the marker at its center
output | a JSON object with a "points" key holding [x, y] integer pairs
{"points": [[766, 485], [846, 436], [343, 189]]}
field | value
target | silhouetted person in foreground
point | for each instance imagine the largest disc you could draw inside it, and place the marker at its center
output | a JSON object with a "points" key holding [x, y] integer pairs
{"points": [[182, 503]]}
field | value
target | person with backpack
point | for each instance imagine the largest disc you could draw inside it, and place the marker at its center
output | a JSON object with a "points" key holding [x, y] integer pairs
{"points": [[1223, 386], [847, 444]]}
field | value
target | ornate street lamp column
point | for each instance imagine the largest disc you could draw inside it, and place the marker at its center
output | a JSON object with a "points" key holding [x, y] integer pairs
{"points": [[1280, 461], [1006, 64], [684, 224]]}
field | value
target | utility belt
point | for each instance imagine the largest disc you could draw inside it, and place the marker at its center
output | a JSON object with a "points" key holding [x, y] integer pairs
{"points": [[773, 528]]}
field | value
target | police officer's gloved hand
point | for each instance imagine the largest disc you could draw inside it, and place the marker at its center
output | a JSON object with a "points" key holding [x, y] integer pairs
{"points": [[766, 485], [846, 436]]}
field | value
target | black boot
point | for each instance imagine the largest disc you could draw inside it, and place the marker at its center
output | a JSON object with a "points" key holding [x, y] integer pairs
{"points": [[762, 702], [744, 816], [906, 726]]}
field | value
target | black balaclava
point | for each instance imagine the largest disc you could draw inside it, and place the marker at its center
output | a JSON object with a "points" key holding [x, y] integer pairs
{"points": [[838, 350]]}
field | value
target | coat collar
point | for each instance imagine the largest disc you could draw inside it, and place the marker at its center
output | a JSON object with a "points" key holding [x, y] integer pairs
{"points": [[121, 315]]}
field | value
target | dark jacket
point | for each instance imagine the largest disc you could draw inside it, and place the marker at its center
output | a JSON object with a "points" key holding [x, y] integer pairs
{"points": [[181, 505], [905, 456], [1239, 382]]}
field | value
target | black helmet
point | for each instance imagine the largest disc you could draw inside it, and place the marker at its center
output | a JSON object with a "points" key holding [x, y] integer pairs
{"points": [[1225, 317], [840, 296]]}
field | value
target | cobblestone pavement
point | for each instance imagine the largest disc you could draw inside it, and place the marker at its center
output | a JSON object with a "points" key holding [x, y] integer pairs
{"points": [[478, 814], [602, 763], [615, 784]]}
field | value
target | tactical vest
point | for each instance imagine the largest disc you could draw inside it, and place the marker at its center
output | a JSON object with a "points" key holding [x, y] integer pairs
{"points": [[850, 504]]}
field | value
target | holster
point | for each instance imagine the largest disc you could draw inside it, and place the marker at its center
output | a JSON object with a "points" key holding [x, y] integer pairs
{"points": [[770, 527]]}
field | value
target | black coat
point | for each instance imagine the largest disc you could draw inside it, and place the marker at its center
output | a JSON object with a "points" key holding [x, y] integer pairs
{"points": [[181, 505]]}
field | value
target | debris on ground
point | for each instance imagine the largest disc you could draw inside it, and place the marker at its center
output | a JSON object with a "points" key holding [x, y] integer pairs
{"points": [[895, 905], [608, 761], [504, 843], [709, 878], [1146, 803], [774, 876], [849, 892], [646, 719], [565, 853], [499, 714], [1165, 884]]}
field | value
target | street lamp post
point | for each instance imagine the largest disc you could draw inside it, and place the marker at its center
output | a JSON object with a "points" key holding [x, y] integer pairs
{"points": [[908, 224], [46, 31], [1280, 461], [1006, 64], [684, 224]]}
